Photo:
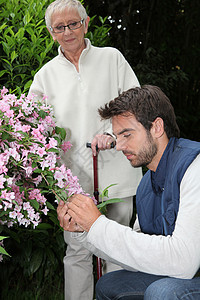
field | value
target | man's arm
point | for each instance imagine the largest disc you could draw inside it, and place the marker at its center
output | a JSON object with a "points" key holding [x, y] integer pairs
{"points": [[174, 256]]}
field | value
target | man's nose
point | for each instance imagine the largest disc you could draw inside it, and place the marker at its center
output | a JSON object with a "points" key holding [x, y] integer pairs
{"points": [[120, 145]]}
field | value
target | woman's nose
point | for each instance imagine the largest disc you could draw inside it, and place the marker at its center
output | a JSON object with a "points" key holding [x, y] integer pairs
{"points": [[67, 30]]}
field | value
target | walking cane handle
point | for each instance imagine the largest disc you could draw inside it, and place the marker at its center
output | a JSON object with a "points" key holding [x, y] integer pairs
{"points": [[88, 145]]}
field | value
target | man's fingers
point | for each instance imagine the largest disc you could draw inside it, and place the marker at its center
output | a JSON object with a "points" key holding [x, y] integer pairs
{"points": [[62, 210], [69, 224]]}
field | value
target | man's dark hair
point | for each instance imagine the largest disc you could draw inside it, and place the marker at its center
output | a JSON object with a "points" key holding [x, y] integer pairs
{"points": [[146, 103]]}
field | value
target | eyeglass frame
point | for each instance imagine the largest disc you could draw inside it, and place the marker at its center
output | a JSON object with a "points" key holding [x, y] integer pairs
{"points": [[68, 26]]}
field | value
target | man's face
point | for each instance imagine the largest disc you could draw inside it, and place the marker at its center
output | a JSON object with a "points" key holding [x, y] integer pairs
{"points": [[71, 41], [133, 140]]}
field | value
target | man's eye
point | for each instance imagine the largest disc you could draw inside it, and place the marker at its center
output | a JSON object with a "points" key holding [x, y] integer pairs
{"points": [[127, 135]]}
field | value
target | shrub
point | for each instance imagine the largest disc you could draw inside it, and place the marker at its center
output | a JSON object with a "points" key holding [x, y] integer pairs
{"points": [[35, 269]]}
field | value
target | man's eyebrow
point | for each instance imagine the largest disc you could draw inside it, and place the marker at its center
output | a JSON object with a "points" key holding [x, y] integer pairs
{"points": [[124, 130]]}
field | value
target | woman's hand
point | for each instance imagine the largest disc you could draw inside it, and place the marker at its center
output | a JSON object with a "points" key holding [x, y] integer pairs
{"points": [[102, 141]]}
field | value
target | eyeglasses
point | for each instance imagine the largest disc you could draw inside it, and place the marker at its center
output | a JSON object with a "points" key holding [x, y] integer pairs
{"points": [[72, 26]]}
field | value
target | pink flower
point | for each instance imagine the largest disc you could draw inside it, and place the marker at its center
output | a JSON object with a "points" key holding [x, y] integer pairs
{"points": [[66, 146], [27, 169], [41, 152], [52, 143], [2, 180], [45, 210], [4, 91]]}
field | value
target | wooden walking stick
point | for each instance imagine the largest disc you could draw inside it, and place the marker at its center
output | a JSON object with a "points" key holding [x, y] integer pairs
{"points": [[96, 195]]}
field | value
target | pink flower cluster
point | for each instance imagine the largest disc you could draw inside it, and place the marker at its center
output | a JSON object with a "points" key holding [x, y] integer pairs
{"points": [[30, 148]]}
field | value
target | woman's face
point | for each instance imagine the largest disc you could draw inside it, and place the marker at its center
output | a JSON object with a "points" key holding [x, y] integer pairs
{"points": [[71, 41]]}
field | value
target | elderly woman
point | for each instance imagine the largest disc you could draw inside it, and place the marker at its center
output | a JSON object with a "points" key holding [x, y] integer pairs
{"points": [[77, 82]]}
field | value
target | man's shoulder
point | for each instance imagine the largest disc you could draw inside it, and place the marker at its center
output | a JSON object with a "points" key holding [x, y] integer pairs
{"points": [[187, 144]]}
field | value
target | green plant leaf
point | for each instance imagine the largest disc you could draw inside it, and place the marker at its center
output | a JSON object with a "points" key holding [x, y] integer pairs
{"points": [[110, 201], [28, 84], [36, 260], [61, 132], [44, 226], [3, 237], [13, 55], [34, 203], [3, 251], [53, 150], [50, 206]]}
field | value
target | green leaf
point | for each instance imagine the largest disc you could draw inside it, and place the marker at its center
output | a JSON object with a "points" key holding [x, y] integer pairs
{"points": [[61, 132], [51, 255], [3, 213], [105, 191], [3, 237], [63, 195], [50, 206], [37, 171], [110, 201], [44, 226], [20, 34], [13, 56], [53, 150], [6, 136], [42, 114], [23, 133], [2, 72], [3, 251], [50, 179], [27, 85], [34, 164], [34, 203], [3, 26], [36, 260]]}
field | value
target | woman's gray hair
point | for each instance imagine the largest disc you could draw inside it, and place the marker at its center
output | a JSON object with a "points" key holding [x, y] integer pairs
{"points": [[60, 5]]}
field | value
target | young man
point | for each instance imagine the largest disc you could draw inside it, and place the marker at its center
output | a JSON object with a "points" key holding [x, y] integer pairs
{"points": [[160, 255]]}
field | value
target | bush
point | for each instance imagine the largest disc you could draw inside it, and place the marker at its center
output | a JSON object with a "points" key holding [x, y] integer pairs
{"points": [[35, 269]]}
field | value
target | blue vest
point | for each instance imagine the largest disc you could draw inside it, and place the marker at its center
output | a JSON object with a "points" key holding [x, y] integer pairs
{"points": [[157, 197]]}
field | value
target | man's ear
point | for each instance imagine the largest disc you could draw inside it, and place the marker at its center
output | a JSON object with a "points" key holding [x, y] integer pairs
{"points": [[51, 33], [157, 129]]}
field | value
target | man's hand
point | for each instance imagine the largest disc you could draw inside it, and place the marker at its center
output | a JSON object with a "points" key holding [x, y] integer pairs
{"points": [[78, 214], [66, 221], [103, 141]]}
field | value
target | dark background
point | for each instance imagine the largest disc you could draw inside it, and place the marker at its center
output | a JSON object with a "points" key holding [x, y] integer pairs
{"points": [[161, 41]]}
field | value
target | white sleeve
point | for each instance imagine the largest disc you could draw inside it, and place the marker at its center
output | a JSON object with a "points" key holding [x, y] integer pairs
{"points": [[127, 77], [175, 256], [36, 87]]}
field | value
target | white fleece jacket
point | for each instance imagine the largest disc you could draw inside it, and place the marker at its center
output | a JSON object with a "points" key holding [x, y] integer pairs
{"points": [[76, 96]]}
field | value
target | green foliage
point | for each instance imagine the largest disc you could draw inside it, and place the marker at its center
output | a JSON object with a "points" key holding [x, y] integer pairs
{"points": [[26, 44], [104, 201], [2, 250], [99, 35], [36, 259], [35, 268]]}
